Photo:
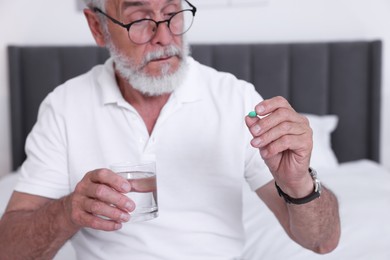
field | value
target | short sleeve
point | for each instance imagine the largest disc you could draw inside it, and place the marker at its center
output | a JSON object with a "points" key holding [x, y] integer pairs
{"points": [[44, 172]]}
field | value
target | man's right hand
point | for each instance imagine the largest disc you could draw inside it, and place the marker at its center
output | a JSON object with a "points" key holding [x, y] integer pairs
{"points": [[98, 201]]}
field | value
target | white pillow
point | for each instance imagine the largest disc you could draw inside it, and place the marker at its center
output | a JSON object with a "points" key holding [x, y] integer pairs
{"points": [[323, 155]]}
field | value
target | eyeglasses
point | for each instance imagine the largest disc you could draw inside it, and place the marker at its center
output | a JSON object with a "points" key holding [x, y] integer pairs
{"points": [[143, 30]]}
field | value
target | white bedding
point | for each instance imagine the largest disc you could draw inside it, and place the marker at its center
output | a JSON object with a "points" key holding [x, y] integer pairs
{"points": [[363, 190]]}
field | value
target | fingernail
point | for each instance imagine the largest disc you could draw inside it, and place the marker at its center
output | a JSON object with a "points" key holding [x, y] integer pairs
{"points": [[256, 142], [125, 217], [129, 206], [117, 226], [256, 129], [126, 186], [260, 109]]}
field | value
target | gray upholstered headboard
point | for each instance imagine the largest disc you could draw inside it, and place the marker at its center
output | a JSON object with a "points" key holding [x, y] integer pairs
{"points": [[341, 78]]}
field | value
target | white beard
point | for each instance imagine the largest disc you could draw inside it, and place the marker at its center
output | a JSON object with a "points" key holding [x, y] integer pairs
{"points": [[147, 84]]}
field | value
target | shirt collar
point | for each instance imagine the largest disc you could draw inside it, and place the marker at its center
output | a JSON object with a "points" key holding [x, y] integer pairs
{"points": [[108, 86]]}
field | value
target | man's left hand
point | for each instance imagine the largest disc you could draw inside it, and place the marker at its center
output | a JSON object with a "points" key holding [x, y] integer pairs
{"points": [[284, 139]]}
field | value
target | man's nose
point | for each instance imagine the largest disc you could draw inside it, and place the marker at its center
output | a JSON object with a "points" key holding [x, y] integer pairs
{"points": [[163, 34]]}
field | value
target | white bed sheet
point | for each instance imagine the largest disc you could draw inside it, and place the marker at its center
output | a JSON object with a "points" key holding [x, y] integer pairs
{"points": [[7, 184], [363, 191]]}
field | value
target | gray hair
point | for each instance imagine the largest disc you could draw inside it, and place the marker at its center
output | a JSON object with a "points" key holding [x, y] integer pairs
{"points": [[96, 3], [101, 4]]}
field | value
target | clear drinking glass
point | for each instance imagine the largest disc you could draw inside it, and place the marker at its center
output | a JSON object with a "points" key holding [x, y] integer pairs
{"points": [[142, 178]]}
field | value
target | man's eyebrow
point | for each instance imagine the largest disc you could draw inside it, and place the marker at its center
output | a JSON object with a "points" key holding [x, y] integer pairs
{"points": [[138, 3], [126, 4]]}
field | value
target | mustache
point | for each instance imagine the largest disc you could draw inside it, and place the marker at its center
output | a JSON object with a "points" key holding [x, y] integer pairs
{"points": [[168, 51]]}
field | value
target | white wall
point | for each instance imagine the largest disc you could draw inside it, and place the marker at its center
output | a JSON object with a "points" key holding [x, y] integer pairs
{"points": [[58, 22]]}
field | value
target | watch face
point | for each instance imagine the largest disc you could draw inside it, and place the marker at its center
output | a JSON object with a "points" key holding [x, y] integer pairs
{"points": [[317, 184], [313, 173]]}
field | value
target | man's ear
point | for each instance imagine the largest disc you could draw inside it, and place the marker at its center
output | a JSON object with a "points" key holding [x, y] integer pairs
{"points": [[95, 27]]}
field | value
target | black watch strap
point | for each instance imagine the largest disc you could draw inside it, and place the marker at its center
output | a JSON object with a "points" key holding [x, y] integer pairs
{"points": [[315, 194]]}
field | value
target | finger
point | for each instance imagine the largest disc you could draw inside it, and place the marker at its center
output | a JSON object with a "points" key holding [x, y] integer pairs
{"points": [[259, 126], [110, 178], [96, 185], [147, 184], [99, 208], [284, 128], [270, 105], [96, 222], [251, 123], [276, 118], [294, 144], [106, 194]]}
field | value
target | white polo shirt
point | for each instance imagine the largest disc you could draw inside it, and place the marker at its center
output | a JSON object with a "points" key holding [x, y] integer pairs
{"points": [[200, 144]]}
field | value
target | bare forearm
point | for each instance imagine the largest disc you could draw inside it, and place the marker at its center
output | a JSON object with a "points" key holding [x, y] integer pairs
{"points": [[316, 225], [37, 234]]}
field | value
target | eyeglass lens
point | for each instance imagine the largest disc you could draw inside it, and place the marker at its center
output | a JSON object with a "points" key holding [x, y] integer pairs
{"points": [[144, 30]]}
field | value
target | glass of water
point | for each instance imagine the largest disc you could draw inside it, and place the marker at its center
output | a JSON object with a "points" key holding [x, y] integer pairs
{"points": [[142, 178]]}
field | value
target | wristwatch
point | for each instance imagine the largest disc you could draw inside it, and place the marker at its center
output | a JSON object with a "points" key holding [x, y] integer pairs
{"points": [[315, 194]]}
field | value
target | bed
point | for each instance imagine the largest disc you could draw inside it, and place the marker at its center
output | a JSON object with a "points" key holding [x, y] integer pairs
{"points": [[336, 84]]}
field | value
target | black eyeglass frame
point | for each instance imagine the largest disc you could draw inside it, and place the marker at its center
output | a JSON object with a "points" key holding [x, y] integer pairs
{"points": [[127, 26]]}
